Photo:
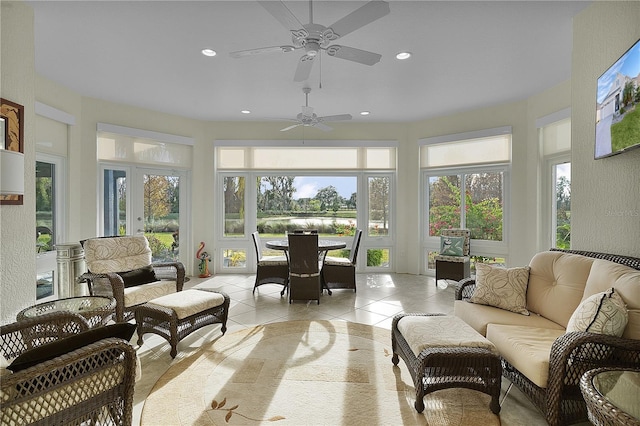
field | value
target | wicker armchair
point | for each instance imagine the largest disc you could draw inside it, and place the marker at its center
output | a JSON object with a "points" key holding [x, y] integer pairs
{"points": [[454, 267], [110, 259], [93, 384], [572, 355]]}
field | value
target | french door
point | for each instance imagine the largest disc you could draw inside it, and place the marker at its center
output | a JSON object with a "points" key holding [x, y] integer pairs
{"points": [[149, 201]]}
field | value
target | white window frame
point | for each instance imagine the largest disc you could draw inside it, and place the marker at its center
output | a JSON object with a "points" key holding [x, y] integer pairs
{"points": [[486, 248], [245, 242]]}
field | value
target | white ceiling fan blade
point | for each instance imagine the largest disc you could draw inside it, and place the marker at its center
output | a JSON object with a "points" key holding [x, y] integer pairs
{"points": [[282, 14], [304, 68], [352, 54], [322, 127], [261, 51], [291, 127], [360, 17], [339, 117]]}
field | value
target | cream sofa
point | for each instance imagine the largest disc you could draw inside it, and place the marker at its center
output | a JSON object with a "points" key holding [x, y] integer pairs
{"points": [[538, 355]]}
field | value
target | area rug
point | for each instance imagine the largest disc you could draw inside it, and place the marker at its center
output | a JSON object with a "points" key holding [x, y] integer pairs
{"points": [[303, 373]]}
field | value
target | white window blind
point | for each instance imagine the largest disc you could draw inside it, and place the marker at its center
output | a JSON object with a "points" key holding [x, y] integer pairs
{"points": [[141, 147], [556, 137], [51, 136], [489, 146], [333, 156]]}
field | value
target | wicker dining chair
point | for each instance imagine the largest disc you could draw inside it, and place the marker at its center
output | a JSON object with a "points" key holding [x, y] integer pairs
{"points": [[304, 269], [270, 269], [340, 272]]}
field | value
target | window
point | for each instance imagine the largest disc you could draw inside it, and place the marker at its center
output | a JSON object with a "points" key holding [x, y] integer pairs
{"points": [[145, 181], [332, 186], [465, 185], [554, 132], [51, 133]]}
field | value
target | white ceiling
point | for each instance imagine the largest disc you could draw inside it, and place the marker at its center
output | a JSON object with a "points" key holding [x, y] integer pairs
{"points": [[147, 54]]}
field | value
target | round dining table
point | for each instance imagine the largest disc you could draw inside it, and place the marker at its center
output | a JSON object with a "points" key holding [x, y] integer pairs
{"points": [[323, 245]]}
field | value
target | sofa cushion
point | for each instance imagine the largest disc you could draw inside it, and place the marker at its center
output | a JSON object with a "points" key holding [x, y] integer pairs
{"points": [[501, 287], [626, 282], [478, 316], [138, 276], [556, 284], [603, 313], [528, 349], [106, 255], [143, 293]]}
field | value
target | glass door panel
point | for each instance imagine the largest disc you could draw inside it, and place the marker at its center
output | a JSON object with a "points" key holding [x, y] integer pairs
{"points": [[139, 200], [161, 214], [46, 229], [115, 202]]}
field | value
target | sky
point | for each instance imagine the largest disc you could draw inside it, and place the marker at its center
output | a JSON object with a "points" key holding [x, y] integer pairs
{"points": [[308, 186], [628, 64]]}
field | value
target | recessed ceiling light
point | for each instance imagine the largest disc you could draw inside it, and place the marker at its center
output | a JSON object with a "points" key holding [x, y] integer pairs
{"points": [[403, 55], [209, 52], [245, 111], [365, 113]]}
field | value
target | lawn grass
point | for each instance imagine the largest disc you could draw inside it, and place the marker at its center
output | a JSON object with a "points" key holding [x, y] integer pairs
{"points": [[627, 132]]}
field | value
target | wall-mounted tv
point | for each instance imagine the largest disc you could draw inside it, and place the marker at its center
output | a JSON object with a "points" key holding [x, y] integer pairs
{"points": [[618, 105]]}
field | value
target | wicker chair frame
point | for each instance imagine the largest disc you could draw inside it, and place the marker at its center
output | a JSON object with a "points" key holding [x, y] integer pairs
{"points": [[448, 367], [92, 384], [163, 321], [601, 411], [112, 285], [572, 355], [338, 276]]}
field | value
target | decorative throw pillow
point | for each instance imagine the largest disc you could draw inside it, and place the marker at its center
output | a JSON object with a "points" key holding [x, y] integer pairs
{"points": [[603, 313], [138, 276], [123, 330], [502, 288], [451, 246]]}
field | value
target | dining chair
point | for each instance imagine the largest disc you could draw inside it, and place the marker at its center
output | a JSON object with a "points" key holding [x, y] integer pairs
{"points": [[271, 269], [340, 272], [304, 269], [453, 262]]}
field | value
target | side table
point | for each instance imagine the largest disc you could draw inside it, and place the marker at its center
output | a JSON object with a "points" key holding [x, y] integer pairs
{"points": [[97, 310], [611, 395]]}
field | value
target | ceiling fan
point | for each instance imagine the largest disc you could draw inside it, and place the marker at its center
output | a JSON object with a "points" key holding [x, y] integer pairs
{"points": [[314, 37], [308, 118]]}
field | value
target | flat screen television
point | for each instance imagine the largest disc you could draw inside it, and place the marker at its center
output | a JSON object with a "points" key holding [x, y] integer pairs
{"points": [[618, 105]]}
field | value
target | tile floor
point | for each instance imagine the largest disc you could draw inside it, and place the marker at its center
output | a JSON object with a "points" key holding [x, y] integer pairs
{"points": [[378, 299]]}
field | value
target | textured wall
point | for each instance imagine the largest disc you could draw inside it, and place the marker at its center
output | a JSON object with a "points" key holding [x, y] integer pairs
{"points": [[17, 253], [605, 194]]}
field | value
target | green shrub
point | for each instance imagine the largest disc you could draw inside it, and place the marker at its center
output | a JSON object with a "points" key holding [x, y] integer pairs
{"points": [[374, 257]]}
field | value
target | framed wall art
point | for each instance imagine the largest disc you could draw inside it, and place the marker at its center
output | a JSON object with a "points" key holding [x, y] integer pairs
{"points": [[12, 134]]}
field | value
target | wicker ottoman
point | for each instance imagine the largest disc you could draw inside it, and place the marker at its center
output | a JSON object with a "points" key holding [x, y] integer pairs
{"points": [[443, 352], [177, 315]]}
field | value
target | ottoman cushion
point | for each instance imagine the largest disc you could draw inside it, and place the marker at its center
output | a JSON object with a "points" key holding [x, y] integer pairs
{"points": [[189, 302], [423, 332]]}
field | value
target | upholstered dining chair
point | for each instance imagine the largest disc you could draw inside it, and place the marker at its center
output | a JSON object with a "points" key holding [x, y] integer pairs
{"points": [[121, 267], [454, 261], [340, 272], [271, 269], [304, 269]]}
